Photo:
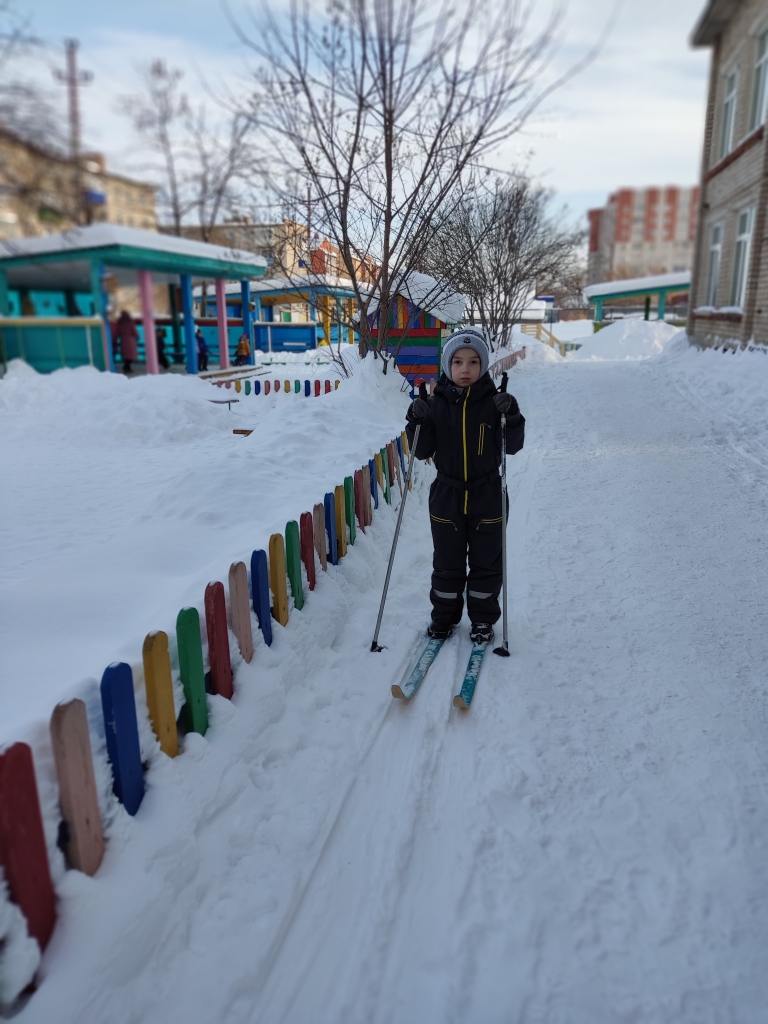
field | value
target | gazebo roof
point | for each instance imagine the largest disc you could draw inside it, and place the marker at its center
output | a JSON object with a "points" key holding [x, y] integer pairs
{"points": [[680, 281], [52, 262]]}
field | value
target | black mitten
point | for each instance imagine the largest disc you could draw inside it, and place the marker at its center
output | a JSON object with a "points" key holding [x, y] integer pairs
{"points": [[506, 404], [418, 411]]}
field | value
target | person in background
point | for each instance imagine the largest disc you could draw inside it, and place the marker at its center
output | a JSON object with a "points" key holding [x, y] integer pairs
{"points": [[160, 335], [126, 338], [243, 350], [202, 351]]}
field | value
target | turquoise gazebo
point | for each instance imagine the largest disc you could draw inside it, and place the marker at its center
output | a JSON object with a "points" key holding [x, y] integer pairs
{"points": [[660, 286], [64, 277]]}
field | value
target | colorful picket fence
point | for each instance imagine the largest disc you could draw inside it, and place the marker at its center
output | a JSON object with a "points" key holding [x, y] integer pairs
{"points": [[318, 538], [265, 387]]}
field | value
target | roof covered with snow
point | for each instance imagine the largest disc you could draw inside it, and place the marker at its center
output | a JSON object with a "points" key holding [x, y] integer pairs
{"points": [[107, 236], [431, 296], [682, 279]]}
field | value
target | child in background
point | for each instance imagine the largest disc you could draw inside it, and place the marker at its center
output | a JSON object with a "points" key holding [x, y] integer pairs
{"points": [[243, 350], [461, 431], [202, 351]]}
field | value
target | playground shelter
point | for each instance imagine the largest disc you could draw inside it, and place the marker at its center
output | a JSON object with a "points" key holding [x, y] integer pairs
{"points": [[423, 314], [661, 286], [331, 303], [66, 276]]}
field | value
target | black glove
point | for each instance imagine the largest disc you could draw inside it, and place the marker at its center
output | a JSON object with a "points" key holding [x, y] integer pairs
{"points": [[418, 411], [506, 404]]}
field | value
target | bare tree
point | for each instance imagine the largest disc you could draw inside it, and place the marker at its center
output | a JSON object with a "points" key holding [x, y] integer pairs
{"points": [[26, 109], [499, 246], [203, 166], [387, 109]]}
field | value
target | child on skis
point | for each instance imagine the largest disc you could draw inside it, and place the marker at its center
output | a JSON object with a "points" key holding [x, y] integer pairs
{"points": [[461, 431]]}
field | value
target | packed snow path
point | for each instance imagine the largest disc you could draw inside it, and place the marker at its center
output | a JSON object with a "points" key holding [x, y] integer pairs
{"points": [[586, 844]]}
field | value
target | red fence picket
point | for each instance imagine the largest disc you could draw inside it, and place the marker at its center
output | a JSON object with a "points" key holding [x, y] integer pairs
{"points": [[218, 639], [307, 531], [23, 853]]}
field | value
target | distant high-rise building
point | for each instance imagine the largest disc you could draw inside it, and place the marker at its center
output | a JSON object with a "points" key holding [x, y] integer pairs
{"points": [[642, 231]]}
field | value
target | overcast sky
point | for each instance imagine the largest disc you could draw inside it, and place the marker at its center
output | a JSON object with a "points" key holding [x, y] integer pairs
{"points": [[634, 117]]}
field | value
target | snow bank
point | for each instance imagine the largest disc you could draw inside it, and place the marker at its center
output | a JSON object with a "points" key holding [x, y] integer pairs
{"points": [[731, 385], [626, 339]]}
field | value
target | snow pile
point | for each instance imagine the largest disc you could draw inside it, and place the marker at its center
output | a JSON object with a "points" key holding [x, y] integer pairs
{"points": [[731, 385], [626, 339]]}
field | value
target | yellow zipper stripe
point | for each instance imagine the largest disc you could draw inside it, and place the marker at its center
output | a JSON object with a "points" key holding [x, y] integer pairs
{"points": [[438, 519], [498, 520], [464, 438]]}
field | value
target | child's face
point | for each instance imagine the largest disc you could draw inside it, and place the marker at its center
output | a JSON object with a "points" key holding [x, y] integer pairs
{"points": [[465, 367]]}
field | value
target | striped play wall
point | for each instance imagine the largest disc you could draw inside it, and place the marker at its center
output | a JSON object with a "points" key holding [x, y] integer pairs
{"points": [[263, 583]]}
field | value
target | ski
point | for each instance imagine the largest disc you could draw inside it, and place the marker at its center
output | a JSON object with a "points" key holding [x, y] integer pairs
{"points": [[464, 698], [411, 683]]}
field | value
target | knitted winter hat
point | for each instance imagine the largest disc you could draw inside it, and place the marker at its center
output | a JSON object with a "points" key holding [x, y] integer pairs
{"points": [[465, 337]]}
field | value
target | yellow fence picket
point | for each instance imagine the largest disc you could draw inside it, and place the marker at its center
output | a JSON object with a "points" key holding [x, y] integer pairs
{"points": [[278, 578], [341, 520], [159, 687]]}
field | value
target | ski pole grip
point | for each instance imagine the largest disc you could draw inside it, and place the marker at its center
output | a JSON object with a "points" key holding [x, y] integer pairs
{"points": [[423, 391], [503, 385]]}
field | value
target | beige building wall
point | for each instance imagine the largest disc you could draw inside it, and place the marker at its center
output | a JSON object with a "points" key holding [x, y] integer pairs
{"points": [[734, 180], [38, 193]]}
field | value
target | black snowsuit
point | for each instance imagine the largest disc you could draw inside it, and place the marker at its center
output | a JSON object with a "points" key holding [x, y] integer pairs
{"points": [[462, 433]]}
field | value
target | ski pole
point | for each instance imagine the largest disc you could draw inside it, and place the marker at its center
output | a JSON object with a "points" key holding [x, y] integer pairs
{"points": [[375, 642], [503, 651]]}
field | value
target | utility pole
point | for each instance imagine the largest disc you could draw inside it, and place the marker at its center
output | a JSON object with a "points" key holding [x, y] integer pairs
{"points": [[73, 78]]}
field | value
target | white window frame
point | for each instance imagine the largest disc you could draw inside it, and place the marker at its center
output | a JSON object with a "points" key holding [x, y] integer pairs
{"points": [[741, 254], [759, 106], [728, 113], [713, 270]]}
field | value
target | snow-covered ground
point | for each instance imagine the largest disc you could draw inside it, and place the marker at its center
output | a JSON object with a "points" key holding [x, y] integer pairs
{"points": [[585, 844]]}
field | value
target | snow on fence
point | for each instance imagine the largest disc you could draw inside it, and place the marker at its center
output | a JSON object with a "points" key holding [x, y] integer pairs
{"points": [[320, 537], [506, 362], [245, 386]]}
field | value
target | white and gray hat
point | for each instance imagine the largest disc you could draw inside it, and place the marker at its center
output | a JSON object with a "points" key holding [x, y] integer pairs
{"points": [[465, 337]]}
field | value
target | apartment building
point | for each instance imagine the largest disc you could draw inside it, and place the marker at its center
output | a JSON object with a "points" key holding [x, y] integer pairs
{"points": [[642, 231], [729, 288], [42, 192]]}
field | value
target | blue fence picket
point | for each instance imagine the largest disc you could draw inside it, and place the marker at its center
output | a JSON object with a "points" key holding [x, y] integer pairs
{"points": [[329, 505], [374, 483], [307, 388], [399, 442], [122, 734], [257, 387], [260, 593]]}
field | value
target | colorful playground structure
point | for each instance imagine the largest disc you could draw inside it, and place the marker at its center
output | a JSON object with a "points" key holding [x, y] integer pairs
{"points": [[423, 314]]}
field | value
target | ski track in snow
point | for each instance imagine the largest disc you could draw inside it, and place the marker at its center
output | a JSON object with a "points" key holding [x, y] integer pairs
{"points": [[586, 844]]}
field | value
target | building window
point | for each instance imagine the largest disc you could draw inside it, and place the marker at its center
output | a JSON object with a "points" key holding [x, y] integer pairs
{"points": [[741, 257], [715, 250], [760, 94], [729, 113]]}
